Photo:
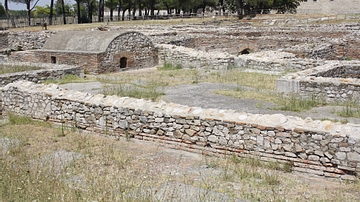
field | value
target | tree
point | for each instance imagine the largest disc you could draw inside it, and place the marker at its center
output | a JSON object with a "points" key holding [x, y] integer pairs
{"points": [[41, 11], [101, 11], [111, 4], [283, 6], [63, 11], [78, 10], [51, 12], [2, 10], [29, 8]]}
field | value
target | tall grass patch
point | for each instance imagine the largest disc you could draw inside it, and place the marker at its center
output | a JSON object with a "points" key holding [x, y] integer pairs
{"points": [[6, 69], [149, 91], [67, 78], [350, 109]]}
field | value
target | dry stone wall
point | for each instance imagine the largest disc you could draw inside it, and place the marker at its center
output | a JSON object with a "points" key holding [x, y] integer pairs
{"points": [[276, 61], [335, 82], [49, 71], [190, 58], [318, 147]]}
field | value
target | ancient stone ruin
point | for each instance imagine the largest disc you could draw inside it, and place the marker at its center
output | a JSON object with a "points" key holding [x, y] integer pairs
{"points": [[94, 51], [322, 59], [335, 82]]}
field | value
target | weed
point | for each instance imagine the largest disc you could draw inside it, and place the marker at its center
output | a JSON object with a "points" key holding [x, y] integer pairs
{"points": [[350, 109], [67, 78], [169, 66], [25, 120], [5, 69], [296, 103], [149, 91]]}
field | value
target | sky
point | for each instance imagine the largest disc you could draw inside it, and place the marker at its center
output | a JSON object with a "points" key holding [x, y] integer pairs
{"points": [[18, 6]]}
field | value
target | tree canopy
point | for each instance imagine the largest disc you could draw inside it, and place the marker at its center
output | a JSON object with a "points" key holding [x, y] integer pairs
{"points": [[2, 10]]}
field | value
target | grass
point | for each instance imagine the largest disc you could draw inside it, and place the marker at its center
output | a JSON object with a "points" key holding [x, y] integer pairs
{"points": [[40, 164], [103, 168], [350, 109], [169, 66], [68, 78], [149, 91], [251, 85], [6, 69]]}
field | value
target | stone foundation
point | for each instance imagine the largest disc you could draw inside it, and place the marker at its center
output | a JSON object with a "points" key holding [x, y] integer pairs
{"points": [[49, 71], [335, 82], [319, 147]]}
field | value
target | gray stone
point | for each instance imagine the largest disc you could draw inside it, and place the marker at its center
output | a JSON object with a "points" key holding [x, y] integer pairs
{"points": [[319, 153], [212, 138], [190, 132], [340, 155], [259, 140], [313, 158], [353, 156]]}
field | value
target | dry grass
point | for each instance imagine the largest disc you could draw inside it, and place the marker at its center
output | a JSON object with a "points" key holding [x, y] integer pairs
{"points": [[102, 168], [261, 86], [5, 69]]}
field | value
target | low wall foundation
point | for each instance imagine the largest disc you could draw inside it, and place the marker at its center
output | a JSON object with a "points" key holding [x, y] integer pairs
{"points": [[318, 147]]}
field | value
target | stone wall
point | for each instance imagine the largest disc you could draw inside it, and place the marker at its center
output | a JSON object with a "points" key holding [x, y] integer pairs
{"points": [[4, 44], [190, 58], [319, 147], [335, 82], [49, 71], [329, 7], [89, 62], [135, 47], [276, 61], [28, 40]]}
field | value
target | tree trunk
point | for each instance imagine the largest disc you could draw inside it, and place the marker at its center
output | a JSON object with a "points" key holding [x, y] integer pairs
{"points": [[63, 11], [123, 15], [152, 3], [101, 11], [140, 9], [51, 11], [129, 7], [78, 11], [240, 9], [90, 12], [28, 13]]}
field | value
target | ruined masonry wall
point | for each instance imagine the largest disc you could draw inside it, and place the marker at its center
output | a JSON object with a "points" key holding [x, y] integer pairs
{"points": [[189, 58], [50, 72], [265, 60], [325, 82], [318, 147]]}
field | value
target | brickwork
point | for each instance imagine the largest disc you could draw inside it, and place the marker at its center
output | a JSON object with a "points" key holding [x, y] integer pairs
{"points": [[92, 57]]}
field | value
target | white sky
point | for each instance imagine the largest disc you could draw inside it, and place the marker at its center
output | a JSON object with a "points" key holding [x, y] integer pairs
{"points": [[18, 6]]}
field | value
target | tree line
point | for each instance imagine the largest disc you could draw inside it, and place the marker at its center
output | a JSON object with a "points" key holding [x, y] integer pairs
{"points": [[85, 9]]}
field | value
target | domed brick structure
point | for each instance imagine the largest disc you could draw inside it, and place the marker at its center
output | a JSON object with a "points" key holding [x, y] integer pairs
{"points": [[95, 51]]}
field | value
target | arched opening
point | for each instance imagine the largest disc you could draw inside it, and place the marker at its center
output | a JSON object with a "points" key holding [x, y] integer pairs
{"points": [[245, 51], [123, 62], [53, 59]]}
